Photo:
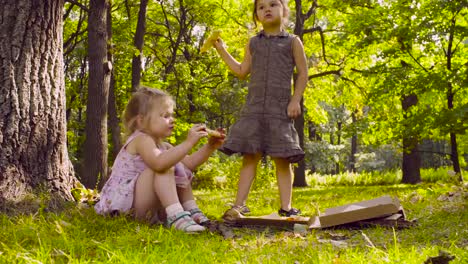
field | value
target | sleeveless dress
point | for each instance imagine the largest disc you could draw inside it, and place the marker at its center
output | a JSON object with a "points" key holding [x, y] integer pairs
{"points": [[264, 126], [117, 193]]}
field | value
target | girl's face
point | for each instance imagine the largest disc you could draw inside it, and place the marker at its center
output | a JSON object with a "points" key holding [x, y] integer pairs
{"points": [[270, 12], [160, 122]]}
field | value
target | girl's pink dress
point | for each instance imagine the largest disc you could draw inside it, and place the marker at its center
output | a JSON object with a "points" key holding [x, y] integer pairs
{"points": [[117, 193]]}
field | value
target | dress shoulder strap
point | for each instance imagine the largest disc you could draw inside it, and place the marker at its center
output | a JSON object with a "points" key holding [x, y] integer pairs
{"points": [[132, 137]]}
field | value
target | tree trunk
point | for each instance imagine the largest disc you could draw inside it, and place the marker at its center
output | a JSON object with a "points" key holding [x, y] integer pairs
{"points": [[33, 151], [299, 171], [411, 156], [139, 41], [411, 161], [114, 121], [95, 146], [450, 95], [352, 156], [338, 132]]}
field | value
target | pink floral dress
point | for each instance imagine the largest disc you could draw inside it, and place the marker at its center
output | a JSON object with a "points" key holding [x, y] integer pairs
{"points": [[117, 193]]}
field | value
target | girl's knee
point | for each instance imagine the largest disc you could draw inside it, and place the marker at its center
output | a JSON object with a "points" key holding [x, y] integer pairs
{"points": [[168, 173], [252, 158], [282, 163]]}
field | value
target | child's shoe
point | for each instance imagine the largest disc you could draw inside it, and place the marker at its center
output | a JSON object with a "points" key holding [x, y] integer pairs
{"points": [[291, 212], [232, 214], [199, 217], [235, 212], [244, 210], [183, 221]]}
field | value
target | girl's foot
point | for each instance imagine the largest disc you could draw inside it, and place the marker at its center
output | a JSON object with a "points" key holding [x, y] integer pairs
{"points": [[232, 214], [198, 216], [291, 212], [235, 212], [244, 210], [183, 221]]}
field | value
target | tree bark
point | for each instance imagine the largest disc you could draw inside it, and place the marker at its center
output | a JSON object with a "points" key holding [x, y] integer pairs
{"points": [[114, 121], [450, 96], [139, 41], [299, 171], [453, 141], [354, 138], [411, 156], [33, 153], [95, 146]]}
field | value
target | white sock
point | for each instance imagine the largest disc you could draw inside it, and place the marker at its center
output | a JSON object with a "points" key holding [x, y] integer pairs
{"points": [[174, 209], [189, 205]]}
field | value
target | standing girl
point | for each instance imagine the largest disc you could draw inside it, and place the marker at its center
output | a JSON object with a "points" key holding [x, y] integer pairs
{"points": [[149, 173], [266, 124]]}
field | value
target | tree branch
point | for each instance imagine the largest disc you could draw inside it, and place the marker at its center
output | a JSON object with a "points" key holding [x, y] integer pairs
{"points": [[311, 11], [74, 2], [322, 39], [415, 60], [321, 74]]}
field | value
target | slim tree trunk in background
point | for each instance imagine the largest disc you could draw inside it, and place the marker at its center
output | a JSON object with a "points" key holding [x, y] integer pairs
{"points": [[33, 151], [337, 164], [411, 156], [352, 156], [95, 146], [139, 41], [299, 171], [450, 96], [114, 121], [453, 139]]}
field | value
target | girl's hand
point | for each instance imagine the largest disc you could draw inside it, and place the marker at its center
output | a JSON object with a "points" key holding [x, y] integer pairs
{"points": [[218, 44], [217, 141], [294, 109], [196, 133]]}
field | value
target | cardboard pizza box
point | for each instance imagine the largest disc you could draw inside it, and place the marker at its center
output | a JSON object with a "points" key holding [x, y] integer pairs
{"points": [[271, 220], [376, 208], [384, 210]]}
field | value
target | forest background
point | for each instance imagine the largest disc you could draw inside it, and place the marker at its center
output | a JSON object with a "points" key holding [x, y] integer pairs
{"points": [[386, 103], [387, 84], [387, 79]]}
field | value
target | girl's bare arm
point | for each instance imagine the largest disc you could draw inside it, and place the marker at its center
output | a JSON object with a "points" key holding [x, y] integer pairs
{"points": [[301, 68], [162, 160], [201, 156], [241, 70], [294, 106]]}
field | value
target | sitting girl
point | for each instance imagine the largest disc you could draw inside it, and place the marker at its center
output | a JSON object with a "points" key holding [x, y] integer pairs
{"points": [[148, 173]]}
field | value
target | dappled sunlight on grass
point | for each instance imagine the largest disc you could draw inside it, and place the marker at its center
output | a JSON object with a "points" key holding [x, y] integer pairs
{"points": [[79, 235]]}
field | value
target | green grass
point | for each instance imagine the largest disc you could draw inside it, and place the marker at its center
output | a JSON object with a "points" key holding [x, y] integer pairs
{"points": [[78, 235]]}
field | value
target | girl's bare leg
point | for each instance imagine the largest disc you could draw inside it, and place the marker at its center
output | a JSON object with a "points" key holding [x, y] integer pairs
{"points": [[188, 202], [247, 175], [153, 191], [284, 178], [185, 194]]}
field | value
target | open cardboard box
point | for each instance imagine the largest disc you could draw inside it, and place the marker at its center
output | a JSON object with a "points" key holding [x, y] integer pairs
{"points": [[271, 220], [382, 207], [383, 210]]}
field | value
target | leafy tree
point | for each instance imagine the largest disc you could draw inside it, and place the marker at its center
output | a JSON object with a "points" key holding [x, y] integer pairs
{"points": [[406, 46]]}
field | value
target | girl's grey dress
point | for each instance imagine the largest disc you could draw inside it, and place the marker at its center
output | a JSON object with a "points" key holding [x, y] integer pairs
{"points": [[264, 126]]}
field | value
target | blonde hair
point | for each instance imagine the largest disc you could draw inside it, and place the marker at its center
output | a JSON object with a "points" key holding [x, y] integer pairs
{"points": [[285, 12], [141, 104]]}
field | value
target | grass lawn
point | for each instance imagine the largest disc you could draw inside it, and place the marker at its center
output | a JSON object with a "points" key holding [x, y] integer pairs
{"points": [[78, 235]]}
